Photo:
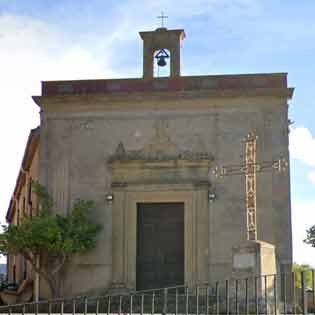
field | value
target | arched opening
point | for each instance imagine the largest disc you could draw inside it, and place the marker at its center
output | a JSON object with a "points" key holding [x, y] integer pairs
{"points": [[161, 63]]}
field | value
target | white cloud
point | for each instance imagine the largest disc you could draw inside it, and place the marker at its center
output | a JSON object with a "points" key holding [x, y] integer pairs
{"points": [[302, 215], [185, 9], [311, 177], [32, 51], [302, 145]]}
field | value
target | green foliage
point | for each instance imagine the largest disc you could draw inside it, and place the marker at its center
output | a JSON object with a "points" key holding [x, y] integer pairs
{"points": [[51, 237], [52, 234], [310, 237], [45, 199], [308, 275]]}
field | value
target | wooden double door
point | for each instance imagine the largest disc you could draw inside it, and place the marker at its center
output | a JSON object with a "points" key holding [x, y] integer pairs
{"points": [[160, 245]]}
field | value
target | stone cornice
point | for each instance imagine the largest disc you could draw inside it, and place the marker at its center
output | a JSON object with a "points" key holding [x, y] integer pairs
{"points": [[158, 159], [160, 149], [171, 84], [163, 172], [158, 154], [160, 164], [178, 32], [176, 100]]}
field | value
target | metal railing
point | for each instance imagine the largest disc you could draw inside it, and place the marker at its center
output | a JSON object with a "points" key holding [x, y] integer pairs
{"points": [[268, 294]]}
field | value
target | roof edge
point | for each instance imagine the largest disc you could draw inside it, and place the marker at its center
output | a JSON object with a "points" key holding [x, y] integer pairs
{"points": [[30, 148]]}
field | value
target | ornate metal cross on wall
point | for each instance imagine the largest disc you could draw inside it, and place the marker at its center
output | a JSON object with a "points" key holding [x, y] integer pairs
{"points": [[250, 168]]}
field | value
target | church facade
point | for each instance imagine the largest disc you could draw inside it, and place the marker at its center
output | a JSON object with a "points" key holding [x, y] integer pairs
{"points": [[145, 151]]}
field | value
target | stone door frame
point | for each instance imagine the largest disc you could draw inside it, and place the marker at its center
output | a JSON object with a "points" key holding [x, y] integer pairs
{"points": [[196, 228]]}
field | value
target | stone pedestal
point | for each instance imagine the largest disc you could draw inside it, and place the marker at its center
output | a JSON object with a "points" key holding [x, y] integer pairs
{"points": [[254, 268], [253, 258]]}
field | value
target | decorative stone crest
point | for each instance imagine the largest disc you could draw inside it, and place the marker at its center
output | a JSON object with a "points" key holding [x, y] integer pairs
{"points": [[161, 148]]}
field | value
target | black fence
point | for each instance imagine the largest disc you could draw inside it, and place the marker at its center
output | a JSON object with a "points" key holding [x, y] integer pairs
{"points": [[270, 294]]}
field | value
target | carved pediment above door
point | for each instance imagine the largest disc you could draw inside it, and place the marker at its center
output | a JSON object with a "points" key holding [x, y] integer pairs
{"points": [[159, 161]]}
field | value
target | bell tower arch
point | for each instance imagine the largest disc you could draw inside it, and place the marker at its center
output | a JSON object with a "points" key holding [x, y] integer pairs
{"points": [[160, 39]]}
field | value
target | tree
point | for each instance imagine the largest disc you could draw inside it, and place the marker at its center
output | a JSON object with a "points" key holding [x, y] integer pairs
{"points": [[297, 275], [310, 237], [50, 237]]}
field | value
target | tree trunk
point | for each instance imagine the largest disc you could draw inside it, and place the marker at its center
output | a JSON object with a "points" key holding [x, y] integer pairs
{"points": [[52, 284], [50, 278]]}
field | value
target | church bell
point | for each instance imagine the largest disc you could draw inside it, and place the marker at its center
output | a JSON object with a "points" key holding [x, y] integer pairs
{"points": [[161, 61], [161, 56]]}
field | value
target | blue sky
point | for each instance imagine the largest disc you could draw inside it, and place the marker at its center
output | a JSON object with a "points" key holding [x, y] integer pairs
{"points": [[45, 40]]}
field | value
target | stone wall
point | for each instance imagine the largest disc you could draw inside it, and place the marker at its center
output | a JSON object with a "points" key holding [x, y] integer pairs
{"points": [[79, 134]]}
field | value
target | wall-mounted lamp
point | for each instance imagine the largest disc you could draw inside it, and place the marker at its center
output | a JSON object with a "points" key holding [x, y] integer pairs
{"points": [[109, 198], [212, 196]]}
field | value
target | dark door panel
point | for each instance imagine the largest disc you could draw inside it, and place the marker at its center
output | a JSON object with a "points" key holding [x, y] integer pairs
{"points": [[160, 245]]}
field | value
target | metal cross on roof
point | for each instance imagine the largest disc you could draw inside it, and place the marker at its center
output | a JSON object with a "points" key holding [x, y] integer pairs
{"points": [[162, 17]]}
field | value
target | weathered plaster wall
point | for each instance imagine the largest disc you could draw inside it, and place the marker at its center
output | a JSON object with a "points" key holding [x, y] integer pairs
{"points": [[76, 143]]}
